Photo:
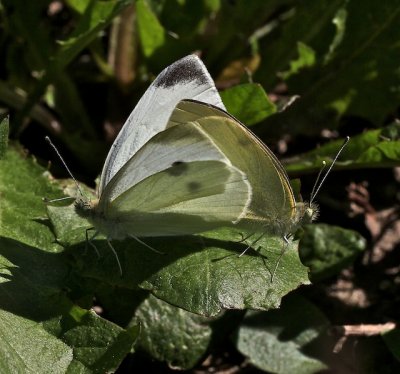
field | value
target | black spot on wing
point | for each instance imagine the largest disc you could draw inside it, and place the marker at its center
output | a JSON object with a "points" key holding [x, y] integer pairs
{"points": [[177, 168], [194, 186], [183, 70]]}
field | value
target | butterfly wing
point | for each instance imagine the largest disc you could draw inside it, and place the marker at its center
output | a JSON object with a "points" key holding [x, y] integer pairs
{"points": [[184, 199], [179, 182], [187, 78], [273, 201], [185, 143]]}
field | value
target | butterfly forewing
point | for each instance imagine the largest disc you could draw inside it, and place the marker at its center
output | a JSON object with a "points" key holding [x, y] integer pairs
{"points": [[179, 144], [185, 79]]}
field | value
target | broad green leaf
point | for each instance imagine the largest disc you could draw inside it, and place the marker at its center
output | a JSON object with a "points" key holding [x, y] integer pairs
{"points": [[34, 285], [285, 340], [172, 334], [4, 129], [202, 274], [31, 348], [327, 249], [371, 149], [23, 185], [158, 46], [168, 333], [152, 33], [249, 103]]}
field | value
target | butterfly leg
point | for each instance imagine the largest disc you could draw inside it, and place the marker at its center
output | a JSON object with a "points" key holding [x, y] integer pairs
{"points": [[146, 245], [90, 241], [251, 245], [115, 254], [245, 237], [284, 247]]}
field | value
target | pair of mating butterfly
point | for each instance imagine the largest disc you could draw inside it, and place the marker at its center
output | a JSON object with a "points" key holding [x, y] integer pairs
{"points": [[182, 165]]}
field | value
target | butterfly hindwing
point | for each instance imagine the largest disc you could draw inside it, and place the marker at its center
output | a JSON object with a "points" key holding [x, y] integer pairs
{"points": [[183, 199], [272, 196]]}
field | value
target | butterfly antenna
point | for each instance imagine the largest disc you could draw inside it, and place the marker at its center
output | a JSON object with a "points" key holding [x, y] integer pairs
{"points": [[316, 190], [66, 167], [312, 195]]}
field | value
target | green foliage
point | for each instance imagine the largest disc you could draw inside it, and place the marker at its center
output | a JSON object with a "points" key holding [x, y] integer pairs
{"points": [[35, 305], [286, 340], [327, 249], [66, 73], [372, 149], [248, 102]]}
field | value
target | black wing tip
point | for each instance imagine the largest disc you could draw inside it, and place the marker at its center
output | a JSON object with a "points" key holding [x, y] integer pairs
{"points": [[189, 68]]}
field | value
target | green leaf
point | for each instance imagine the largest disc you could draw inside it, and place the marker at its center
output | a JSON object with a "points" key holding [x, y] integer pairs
{"points": [[285, 340], [22, 180], [33, 349], [34, 282], [158, 46], [371, 149], [201, 274], [249, 103], [4, 129], [306, 58], [96, 17], [171, 334], [78, 5], [152, 33], [327, 249]]}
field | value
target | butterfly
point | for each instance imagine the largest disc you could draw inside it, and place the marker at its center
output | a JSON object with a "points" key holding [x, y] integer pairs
{"points": [[161, 180]]}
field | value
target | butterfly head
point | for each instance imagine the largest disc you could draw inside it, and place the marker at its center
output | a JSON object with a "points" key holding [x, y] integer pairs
{"points": [[305, 213], [84, 207]]}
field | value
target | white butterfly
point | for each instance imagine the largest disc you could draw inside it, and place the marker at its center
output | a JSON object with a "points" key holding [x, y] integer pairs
{"points": [[161, 181]]}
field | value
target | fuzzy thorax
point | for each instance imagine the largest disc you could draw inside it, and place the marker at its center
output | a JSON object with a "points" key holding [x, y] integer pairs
{"points": [[90, 211]]}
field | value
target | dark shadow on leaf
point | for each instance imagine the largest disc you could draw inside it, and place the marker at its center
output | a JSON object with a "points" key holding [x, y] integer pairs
{"points": [[33, 281], [139, 263]]}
